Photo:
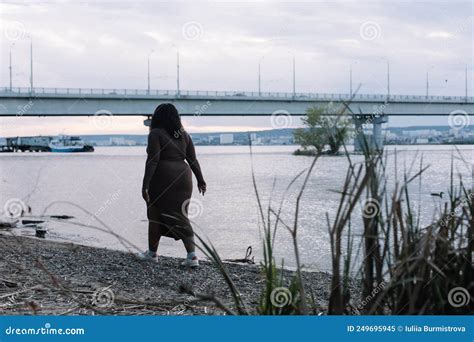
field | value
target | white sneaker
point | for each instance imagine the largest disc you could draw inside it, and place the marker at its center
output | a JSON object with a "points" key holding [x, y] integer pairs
{"points": [[147, 255], [194, 262]]}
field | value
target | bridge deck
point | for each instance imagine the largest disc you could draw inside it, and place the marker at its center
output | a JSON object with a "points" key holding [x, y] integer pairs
{"points": [[23, 92], [129, 102]]}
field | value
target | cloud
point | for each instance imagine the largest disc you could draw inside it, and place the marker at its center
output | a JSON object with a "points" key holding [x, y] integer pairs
{"points": [[159, 37], [440, 34], [105, 44]]}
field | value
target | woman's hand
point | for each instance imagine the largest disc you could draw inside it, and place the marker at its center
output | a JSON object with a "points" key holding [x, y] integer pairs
{"points": [[202, 187], [145, 195]]}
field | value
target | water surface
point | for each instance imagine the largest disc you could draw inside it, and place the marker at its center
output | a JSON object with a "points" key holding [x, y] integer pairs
{"points": [[107, 183]]}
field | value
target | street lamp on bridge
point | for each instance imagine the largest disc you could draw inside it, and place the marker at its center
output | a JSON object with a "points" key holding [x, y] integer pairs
{"points": [[10, 67], [148, 73]]}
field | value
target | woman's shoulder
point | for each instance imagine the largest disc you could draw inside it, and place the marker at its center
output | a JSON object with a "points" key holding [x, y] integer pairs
{"points": [[155, 135], [161, 132], [186, 135]]}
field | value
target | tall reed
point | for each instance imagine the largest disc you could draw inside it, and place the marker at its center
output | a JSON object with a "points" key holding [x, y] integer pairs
{"points": [[406, 268]]}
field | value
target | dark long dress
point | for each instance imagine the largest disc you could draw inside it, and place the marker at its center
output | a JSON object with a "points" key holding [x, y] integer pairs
{"points": [[168, 179]]}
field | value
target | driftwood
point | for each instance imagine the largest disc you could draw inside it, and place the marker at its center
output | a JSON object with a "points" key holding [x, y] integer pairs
{"points": [[246, 259], [61, 217], [6, 223], [20, 291], [8, 283]]}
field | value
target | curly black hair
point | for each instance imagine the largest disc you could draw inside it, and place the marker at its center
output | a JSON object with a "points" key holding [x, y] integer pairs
{"points": [[166, 116]]}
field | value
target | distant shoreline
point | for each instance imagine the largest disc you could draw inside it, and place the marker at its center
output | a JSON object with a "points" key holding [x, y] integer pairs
{"points": [[409, 135], [298, 146]]}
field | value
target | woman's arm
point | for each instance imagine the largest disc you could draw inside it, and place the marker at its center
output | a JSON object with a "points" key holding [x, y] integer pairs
{"points": [[194, 164], [153, 157]]}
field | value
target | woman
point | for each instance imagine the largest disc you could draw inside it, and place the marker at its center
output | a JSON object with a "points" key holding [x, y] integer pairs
{"points": [[167, 184]]}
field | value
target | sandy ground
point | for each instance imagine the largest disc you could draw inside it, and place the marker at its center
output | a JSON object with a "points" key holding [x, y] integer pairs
{"points": [[38, 276]]}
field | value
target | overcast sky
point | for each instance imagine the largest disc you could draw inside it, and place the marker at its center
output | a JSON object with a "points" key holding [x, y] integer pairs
{"points": [[105, 44]]}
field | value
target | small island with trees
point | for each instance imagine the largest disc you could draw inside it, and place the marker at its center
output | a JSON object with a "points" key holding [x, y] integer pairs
{"points": [[325, 130]]}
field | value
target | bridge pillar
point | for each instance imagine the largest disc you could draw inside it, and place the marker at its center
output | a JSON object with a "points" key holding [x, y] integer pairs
{"points": [[359, 138], [363, 142], [377, 139]]}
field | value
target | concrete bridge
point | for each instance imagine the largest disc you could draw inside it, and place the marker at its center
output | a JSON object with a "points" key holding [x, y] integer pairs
{"points": [[129, 102], [368, 108]]}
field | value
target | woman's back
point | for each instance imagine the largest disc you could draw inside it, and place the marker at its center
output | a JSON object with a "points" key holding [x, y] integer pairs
{"points": [[167, 183], [171, 149]]}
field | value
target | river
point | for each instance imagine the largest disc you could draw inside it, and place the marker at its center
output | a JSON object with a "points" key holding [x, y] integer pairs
{"points": [[107, 184]]}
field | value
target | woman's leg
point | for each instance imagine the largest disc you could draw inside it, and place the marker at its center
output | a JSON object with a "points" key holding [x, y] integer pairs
{"points": [[189, 244], [191, 258], [153, 236]]}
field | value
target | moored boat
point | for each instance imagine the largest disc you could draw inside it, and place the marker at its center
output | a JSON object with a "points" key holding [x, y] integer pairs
{"points": [[68, 144]]}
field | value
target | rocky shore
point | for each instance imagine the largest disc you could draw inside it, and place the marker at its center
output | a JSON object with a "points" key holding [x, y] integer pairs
{"points": [[41, 277]]}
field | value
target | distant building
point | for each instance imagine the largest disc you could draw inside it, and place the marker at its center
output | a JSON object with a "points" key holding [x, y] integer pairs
{"points": [[421, 133], [282, 140], [389, 135], [227, 138], [117, 141]]}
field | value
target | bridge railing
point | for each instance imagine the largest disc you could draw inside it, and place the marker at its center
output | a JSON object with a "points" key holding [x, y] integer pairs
{"points": [[116, 92]]}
